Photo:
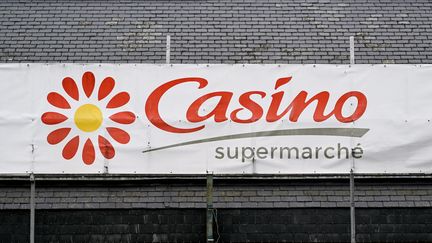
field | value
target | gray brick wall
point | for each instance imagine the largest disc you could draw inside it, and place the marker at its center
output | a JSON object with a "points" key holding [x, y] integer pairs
{"points": [[312, 194], [216, 31]]}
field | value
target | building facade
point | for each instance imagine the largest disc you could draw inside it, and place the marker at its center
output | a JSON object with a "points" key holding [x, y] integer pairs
{"points": [[253, 208]]}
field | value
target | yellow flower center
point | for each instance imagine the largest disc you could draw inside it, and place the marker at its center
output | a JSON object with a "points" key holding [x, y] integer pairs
{"points": [[88, 118]]}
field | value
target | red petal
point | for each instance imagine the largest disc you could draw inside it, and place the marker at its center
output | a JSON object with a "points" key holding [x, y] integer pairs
{"points": [[88, 83], [71, 148], [58, 135], [282, 81], [88, 154], [106, 87], [124, 117], [58, 100], [119, 135], [71, 88], [51, 118], [106, 148], [118, 100]]}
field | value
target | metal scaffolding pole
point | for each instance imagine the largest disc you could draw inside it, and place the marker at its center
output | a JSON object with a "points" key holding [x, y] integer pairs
{"points": [[352, 202], [352, 206], [210, 208], [32, 208], [168, 49], [352, 59]]}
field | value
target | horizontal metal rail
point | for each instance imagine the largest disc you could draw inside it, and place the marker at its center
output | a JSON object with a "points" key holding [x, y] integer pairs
{"points": [[133, 177]]}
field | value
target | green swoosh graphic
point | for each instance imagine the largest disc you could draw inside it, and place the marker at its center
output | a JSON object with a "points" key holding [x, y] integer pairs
{"points": [[340, 132]]}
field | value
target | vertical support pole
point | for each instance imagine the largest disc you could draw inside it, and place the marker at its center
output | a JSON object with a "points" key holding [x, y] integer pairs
{"points": [[209, 208], [352, 188], [352, 60], [168, 49], [352, 207], [32, 208]]}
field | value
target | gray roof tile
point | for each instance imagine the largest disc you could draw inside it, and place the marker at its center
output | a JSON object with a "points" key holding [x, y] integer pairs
{"points": [[215, 31]]}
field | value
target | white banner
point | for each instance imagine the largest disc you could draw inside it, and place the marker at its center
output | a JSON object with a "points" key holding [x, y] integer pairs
{"points": [[191, 119]]}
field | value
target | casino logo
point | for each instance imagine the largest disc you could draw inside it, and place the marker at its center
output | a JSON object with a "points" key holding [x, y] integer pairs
{"points": [[78, 117]]}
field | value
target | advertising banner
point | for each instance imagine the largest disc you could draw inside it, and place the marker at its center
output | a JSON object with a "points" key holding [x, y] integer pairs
{"points": [[224, 119]]}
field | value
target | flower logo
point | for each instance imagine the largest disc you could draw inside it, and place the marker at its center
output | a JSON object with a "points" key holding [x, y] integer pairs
{"points": [[88, 117]]}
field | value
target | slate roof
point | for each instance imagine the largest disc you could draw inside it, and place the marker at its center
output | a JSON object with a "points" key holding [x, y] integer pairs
{"points": [[321, 194], [216, 31]]}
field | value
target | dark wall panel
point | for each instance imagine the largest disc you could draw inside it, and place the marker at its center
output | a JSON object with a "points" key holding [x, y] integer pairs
{"points": [[394, 225], [284, 225], [233, 225], [14, 226], [123, 225]]}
